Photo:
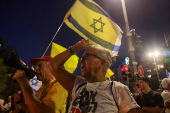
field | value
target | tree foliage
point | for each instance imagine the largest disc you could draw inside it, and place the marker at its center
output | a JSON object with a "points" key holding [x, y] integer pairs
{"points": [[6, 80]]}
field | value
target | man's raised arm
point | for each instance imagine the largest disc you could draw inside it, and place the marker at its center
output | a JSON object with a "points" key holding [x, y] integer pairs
{"points": [[65, 78]]}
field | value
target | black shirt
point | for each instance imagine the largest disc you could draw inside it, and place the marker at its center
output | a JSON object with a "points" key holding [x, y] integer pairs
{"points": [[135, 95], [151, 99]]}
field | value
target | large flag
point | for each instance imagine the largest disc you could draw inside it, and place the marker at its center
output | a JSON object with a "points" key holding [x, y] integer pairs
{"points": [[71, 64], [109, 73], [91, 22]]}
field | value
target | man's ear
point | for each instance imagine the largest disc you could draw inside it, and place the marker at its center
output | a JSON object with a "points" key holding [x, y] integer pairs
{"points": [[103, 62]]}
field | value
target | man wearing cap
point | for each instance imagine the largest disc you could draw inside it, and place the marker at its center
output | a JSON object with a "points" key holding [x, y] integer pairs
{"points": [[51, 96], [150, 101]]}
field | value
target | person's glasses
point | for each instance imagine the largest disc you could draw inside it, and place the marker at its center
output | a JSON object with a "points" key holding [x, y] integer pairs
{"points": [[82, 60]]}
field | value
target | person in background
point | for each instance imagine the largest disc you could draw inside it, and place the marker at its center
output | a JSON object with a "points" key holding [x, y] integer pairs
{"points": [[3, 109], [92, 93], [159, 90], [136, 89], [8, 105], [166, 93], [167, 106], [2, 102], [150, 101], [17, 106], [50, 97]]}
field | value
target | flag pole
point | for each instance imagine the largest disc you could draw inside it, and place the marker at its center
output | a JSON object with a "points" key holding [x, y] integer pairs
{"points": [[130, 45], [53, 38]]}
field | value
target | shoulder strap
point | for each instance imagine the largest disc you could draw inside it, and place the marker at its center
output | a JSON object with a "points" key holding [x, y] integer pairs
{"points": [[51, 85], [46, 91], [113, 95], [53, 82], [80, 86]]}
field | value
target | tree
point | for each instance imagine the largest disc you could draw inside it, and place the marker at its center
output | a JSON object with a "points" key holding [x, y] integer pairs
{"points": [[6, 81]]}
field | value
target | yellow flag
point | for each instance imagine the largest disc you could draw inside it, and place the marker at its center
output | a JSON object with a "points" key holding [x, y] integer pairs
{"points": [[91, 22], [71, 64], [109, 73]]}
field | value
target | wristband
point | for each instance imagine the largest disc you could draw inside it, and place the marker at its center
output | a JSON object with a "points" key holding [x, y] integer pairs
{"points": [[71, 50]]}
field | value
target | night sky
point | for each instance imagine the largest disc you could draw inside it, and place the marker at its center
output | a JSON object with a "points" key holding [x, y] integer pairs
{"points": [[29, 25]]}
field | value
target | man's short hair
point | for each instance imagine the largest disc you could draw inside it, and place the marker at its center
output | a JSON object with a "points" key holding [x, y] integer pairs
{"points": [[146, 79], [165, 83]]}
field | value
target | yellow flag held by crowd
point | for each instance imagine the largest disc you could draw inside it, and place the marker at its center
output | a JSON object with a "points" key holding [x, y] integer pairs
{"points": [[91, 22], [109, 73], [71, 64]]}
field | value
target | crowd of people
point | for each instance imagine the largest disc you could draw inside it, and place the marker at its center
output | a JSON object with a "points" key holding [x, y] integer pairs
{"points": [[152, 101], [90, 92]]}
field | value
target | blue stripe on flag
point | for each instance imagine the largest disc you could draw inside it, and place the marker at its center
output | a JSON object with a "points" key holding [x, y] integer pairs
{"points": [[96, 9], [92, 37], [34, 90], [116, 48]]}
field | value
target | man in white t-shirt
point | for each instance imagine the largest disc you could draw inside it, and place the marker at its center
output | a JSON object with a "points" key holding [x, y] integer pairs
{"points": [[92, 93], [166, 93], [101, 97]]}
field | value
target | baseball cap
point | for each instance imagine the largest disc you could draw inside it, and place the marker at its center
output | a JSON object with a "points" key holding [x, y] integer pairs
{"points": [[146, 79], [33, 61]]}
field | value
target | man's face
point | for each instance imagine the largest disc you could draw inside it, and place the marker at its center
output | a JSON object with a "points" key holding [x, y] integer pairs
{"points": [[42, 69], [91, 64], [9, 99], [143, 84]]}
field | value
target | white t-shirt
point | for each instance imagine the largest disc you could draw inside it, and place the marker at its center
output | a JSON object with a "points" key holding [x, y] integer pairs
{"points": [[98, 97], [166, 96]]}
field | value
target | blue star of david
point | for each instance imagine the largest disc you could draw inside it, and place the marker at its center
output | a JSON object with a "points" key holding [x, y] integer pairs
{"points": [[34, 81], [94, 25]]}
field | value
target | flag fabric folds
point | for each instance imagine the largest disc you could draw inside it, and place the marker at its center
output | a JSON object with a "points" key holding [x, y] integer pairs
{"points": [[109, 73], [71, 64], [35, 84], [167, 74], [91, 22]]}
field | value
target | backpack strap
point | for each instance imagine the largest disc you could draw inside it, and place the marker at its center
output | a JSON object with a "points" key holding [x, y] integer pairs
{"points": [[80, 86], [47, 90], [113, 94], [53, 82]]}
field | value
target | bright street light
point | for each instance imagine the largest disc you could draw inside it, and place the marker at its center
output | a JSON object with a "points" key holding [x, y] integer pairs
{"points": [[150, 54], [155, 53]]}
